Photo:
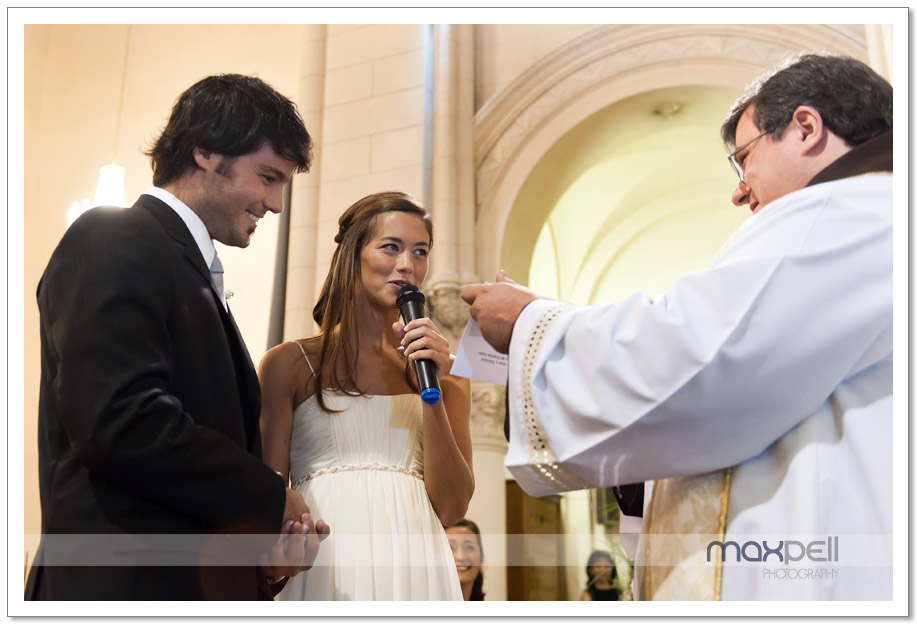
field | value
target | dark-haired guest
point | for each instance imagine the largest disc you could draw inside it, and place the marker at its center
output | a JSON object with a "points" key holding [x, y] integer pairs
{"points": [[468, 552], [600, 578]]}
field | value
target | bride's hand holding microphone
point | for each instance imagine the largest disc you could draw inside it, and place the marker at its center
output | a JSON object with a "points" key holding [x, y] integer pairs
{"points": [[422, 343]]}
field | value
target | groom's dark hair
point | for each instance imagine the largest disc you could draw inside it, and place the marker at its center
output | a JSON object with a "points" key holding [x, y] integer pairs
{"points": [[232, 115]]}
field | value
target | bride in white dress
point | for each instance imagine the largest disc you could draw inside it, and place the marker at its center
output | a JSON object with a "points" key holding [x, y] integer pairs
{"points": [[383, 469]]}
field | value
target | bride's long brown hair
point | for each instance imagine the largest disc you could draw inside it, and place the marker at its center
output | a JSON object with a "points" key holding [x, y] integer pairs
{"points": [[335, 311]]}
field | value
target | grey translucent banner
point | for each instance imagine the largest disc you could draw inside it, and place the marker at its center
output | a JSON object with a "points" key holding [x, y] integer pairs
{"points": [[432, 549]]}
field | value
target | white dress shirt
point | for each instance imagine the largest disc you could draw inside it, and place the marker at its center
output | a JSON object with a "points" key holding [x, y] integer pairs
{"points": [[195, 226]]}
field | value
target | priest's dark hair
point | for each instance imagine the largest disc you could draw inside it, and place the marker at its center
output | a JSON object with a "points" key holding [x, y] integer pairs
{"points": [[854, 102], [231, 115]]}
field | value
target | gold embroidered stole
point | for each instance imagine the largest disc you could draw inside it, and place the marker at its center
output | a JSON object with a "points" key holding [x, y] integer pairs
{"points": [[684, 515]]}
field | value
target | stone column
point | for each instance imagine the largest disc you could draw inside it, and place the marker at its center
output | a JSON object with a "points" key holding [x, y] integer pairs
{"points": [[453, 264], [301, 259], [453, 198], [879, 48], [488, 505], [464, 146], [444, 201]]}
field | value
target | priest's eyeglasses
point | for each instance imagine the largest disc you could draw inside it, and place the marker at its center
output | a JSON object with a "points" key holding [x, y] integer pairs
{"points": [[734, 160]]}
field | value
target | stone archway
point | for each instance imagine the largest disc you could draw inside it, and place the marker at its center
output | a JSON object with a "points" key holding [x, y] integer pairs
{"points": [[611, 63]]}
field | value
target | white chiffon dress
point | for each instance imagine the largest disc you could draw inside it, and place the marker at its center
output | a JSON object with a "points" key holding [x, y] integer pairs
{"points": [[361, 470]]}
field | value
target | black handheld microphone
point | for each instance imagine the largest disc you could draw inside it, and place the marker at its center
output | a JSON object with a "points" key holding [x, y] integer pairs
{"points": [[411, 302]]}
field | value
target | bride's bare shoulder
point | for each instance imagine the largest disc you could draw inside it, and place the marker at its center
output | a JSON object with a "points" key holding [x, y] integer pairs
{"points": [[288, 356]]}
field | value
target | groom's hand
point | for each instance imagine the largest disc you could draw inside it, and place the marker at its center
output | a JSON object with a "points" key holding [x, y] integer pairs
{"points": [[296, 548], [302, 551]]}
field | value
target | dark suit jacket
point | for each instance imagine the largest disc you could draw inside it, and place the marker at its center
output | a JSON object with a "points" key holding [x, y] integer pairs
{"points": [[148, 415]]}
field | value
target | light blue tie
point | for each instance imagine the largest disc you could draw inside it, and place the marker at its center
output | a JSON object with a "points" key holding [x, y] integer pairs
{"points": [[216, 276]]}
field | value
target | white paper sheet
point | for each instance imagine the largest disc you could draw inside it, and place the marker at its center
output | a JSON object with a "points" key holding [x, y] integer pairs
{"points": [[477, 360]]}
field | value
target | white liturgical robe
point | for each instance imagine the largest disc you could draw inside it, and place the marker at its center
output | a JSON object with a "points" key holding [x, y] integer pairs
{"points": [[771, 370]]}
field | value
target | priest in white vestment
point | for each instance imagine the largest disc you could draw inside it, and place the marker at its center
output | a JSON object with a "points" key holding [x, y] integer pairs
{"points": [[756, 393]]}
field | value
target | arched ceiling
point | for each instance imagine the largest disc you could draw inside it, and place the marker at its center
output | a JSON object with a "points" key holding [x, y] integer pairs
{"points": [[635, 196]]}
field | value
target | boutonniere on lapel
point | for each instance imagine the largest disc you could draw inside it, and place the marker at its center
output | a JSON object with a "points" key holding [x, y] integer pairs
{"points": [[229, 294]]}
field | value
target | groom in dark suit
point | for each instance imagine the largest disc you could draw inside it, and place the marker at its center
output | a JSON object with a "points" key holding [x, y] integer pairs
{"points": [[149, 448]]}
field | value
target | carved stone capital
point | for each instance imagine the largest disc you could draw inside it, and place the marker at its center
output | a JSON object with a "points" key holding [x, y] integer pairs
{"points": [[449, 312]]}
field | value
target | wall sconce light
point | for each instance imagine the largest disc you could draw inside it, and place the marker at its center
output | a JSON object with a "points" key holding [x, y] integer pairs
{"points": [[110, 191]]}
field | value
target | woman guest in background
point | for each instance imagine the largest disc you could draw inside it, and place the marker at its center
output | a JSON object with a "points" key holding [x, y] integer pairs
{"points": [[465, 540], [600, 578], [342, 419]]}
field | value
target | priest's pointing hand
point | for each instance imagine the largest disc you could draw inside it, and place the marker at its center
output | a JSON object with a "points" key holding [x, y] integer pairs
{"points": [[496, 306]]}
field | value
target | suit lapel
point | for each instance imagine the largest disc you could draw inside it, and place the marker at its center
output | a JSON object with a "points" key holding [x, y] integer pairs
{"points": [[173, 225], [246, 378]]}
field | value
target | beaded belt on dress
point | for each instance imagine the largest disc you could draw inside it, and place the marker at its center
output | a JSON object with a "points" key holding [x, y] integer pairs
{"points": [[358, 467]]}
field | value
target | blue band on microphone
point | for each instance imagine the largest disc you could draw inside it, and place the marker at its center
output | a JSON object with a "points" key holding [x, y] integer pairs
{"points": [[430, 395]]}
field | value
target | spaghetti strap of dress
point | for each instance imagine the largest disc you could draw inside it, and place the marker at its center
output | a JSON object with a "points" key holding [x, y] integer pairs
{"points": [[304, 356]]}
